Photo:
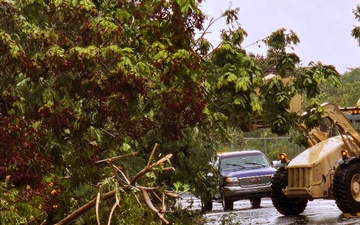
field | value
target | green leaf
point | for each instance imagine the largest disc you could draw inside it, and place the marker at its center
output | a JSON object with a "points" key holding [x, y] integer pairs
{"points": [[87, 52], [255, 103], [114, 51], [184, 5], [239, 101], [14, 48], [143, 68], [181, 54], [281, 97], [125, 64], [162, 57], [55, 50], [243, 84], [85, 4]]}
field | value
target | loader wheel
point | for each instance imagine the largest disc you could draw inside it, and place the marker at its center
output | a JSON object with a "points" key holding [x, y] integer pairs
{"points": [[347, 187], [283, 204], [255, 202]]}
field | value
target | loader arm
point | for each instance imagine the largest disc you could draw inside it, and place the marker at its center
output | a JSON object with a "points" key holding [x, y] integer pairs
{"points": [[349, 133], [314, 136]]}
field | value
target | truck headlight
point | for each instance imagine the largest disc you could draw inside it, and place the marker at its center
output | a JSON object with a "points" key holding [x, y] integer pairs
{"points": [[231, 181]]}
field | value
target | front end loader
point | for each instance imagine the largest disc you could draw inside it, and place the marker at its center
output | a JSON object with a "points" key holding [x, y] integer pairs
{"points": [[329, 169]]}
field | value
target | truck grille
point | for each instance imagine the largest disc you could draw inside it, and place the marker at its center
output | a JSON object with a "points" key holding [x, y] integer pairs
{"points": [[298, 177], [258, 180]]}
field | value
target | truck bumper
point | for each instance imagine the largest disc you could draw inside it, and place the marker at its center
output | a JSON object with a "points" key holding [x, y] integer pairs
{"points": [[237, 193]]}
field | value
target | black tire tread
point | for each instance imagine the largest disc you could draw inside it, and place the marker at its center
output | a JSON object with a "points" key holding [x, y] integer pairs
{"points": [[207, 205], [228, 205], [283, 204], [341, 187], [255, 202]]}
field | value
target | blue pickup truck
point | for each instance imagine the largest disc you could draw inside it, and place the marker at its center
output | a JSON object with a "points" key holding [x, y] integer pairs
{"points": [[244, 175]]}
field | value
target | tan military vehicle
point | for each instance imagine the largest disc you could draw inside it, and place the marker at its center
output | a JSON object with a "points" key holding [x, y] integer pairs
{"points": [[329, 169]]}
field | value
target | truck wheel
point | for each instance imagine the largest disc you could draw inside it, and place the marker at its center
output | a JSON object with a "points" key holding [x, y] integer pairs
{"points": [[347, 187], [227, 204], [255, 202], [207, 205], [283, 204]]}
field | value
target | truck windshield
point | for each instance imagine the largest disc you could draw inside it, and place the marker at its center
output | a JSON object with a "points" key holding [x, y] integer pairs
{"points": [[244, 161]]}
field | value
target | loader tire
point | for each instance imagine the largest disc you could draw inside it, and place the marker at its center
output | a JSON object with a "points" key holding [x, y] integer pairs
{"points": [[283, 204], [347, 187]]}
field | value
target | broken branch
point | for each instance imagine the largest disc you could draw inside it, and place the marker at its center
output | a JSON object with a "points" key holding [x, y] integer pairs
{"points": [[116, 158]]}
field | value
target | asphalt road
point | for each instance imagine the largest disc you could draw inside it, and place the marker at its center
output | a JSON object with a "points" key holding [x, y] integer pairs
{"points": [[317, 212]]}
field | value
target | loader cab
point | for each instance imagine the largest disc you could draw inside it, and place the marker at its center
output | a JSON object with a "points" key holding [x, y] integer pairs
{"points": [[328, 129], [353, 115], [355, 120]]}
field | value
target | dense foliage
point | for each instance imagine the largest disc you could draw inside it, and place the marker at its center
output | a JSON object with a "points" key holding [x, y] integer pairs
{"points": [[84, 80], [347, 94]]}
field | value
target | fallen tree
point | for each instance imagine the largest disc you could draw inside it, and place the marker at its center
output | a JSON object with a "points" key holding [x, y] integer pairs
{"points": [[127, 184]]}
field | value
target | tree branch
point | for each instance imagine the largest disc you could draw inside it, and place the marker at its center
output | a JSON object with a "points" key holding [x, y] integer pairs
{"points": [[149, 168], [127, 185], [73, 216], [152, 207]]}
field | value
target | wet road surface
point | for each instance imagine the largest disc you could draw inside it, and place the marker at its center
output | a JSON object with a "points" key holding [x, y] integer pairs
{"points": [[317, 212]]}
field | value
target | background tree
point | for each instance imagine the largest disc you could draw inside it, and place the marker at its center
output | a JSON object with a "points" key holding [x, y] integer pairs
{"points": [[348, 92], [356, 30]]}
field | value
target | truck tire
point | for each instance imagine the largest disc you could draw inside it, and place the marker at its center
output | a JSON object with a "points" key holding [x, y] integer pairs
{"points": [[255, 202], [283, 204], [347, 187], [207, 205], [227, 204]]}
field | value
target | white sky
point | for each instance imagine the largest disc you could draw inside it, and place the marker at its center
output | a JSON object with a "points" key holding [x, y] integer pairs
{"points": [[323, 27]]}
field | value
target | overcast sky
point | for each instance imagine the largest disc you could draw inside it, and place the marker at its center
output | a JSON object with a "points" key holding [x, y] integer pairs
{"points": [[323, 27]]}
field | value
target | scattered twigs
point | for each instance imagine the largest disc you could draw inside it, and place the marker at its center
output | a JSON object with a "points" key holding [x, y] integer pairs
{"points": [[171, 194], [73, 216], [163, 205], [124, 180], [161, 161], [149, 168], [98, 204], [116, 204], [152, 207], [151, 155], [128, 184], [212, 21], [116, 158], [37, 218], [168, 169]]}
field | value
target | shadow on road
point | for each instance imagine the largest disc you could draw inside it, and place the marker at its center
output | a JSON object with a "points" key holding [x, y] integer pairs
{"points": [[316, 219]]}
